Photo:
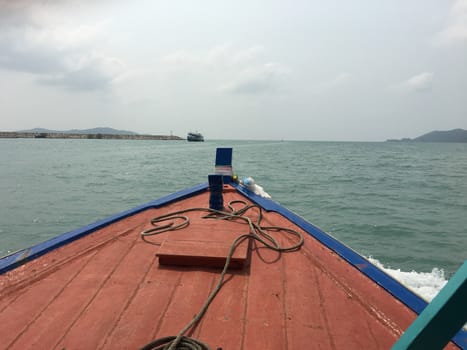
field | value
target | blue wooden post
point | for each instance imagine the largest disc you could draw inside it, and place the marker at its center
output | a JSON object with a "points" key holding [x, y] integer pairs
{"points": [[441, 319], [224, 163]]}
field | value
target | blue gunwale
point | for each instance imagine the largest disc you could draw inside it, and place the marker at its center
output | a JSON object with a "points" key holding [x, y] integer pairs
{"points": [[410, 299]]}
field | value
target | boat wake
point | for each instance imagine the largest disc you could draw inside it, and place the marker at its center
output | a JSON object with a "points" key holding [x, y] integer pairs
{"points": [[425, 284]]}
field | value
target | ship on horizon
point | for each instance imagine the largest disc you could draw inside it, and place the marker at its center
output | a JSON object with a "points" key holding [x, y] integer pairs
{"points": [[195, 137]]}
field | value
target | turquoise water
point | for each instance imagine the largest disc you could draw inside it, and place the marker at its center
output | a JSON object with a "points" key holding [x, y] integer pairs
{"points": [[404, 204]]}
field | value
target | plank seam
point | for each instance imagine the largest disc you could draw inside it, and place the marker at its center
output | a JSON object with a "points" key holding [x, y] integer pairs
{"points": [[284, 298], [169, 302], [245, 309], [26, 327], [323, 311], [127, 305], [52, 268], [86, 307]]}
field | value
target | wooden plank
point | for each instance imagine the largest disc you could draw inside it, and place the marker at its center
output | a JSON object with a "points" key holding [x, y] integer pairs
{"points": [[138, 323], [102, 313], [201, 253], [186, 301], [348, 320], [265, 319], [69, 304], [17, 317], [223, 324], [306, 325]]}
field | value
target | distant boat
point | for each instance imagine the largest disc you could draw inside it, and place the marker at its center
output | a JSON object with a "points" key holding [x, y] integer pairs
{"points": [[195, 137]]}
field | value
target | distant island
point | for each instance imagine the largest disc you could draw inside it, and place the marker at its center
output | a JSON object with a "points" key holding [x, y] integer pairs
{"points": [[455, 135], [96, 133]]}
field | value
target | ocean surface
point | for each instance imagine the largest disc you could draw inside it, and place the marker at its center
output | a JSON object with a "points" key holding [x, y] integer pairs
{"points": [[403, 205]]}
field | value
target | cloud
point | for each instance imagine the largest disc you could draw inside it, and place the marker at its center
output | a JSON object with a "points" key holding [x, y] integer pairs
{"points": [[333, 83], [258, 79], [217, 56], [36, 40], [418, 83], [248, 55], [456, 28], [234, 70], [94, 73]]}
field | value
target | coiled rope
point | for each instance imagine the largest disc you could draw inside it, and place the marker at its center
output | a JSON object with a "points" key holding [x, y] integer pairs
{"points": [[256, 232]]}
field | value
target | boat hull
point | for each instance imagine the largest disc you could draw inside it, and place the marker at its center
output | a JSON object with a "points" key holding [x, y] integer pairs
{"points": [[104, 281]]}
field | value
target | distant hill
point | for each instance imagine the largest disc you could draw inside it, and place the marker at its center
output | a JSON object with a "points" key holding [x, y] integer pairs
{"points": [[455, 135], [105, 131]]}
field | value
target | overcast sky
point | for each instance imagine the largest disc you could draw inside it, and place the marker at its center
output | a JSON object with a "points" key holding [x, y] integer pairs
{"points": [[294, 70]]}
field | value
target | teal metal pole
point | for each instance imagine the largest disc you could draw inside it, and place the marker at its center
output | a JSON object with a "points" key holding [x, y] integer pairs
{"points": [[441, 319]]}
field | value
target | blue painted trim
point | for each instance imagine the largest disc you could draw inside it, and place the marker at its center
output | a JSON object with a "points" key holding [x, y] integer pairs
{"points": [[20, 257], [406, 296]]}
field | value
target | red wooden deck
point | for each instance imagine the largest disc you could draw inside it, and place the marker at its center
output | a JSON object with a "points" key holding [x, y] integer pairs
{"points": [[108, 291]]}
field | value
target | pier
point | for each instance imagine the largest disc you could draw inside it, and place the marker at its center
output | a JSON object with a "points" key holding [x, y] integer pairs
{"points": [[47, 135]]}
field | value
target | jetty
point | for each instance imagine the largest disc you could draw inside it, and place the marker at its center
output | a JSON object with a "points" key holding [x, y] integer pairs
{"points": [[54, 135]]}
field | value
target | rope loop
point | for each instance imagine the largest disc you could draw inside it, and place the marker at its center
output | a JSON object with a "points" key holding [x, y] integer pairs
{"points": [[185, 343], [256, 232], [168, 227]]}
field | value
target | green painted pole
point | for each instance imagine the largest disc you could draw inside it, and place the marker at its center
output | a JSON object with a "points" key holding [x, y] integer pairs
{"points": [[441, 319]]}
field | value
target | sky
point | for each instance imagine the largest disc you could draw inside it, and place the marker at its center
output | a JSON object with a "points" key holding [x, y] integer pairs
{"points": [[358, 70]]}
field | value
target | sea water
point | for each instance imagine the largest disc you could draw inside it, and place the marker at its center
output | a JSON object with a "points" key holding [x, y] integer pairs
{"points": [[403, 205]]}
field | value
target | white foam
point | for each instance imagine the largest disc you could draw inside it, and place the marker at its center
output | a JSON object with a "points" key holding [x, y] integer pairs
{"points": [[425, 284]]}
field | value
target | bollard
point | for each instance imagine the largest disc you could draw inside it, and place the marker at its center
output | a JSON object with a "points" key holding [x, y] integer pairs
{"points": [[216, 185]]}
